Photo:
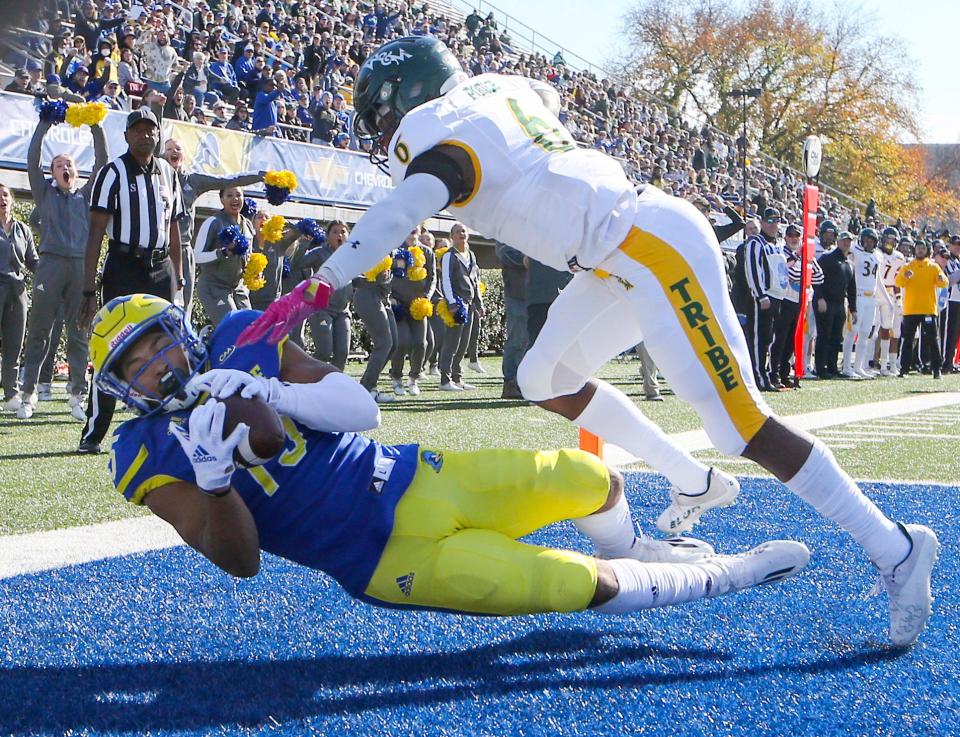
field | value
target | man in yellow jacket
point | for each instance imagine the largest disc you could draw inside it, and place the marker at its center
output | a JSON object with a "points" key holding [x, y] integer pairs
{"points": [[920, 279]]}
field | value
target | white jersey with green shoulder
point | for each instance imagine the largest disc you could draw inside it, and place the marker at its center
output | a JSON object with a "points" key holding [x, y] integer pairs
{"points": [[534, 189]]}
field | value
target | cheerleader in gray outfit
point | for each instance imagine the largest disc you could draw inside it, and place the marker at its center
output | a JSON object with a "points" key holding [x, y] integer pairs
{"points": [[411, 332], [221, 256]]}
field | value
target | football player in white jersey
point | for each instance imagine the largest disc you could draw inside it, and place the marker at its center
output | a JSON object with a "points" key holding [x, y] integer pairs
{"points": [[866, 268], [648, 268], [890, 310]]}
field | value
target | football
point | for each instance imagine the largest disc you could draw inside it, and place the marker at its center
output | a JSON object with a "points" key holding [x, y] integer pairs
{"points": [[266, 436]]}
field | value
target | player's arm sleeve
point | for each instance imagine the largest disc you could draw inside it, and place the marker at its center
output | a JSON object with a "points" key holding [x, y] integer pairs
{"points": [[335, 403], [547, 93], [388, 222]]}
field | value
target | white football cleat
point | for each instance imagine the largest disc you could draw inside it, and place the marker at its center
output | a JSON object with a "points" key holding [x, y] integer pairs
{"points": [[886, 372], [864, 373], [25, 411], [908, 586], [769, 562], [476, 367], [398, 387], [670, 550], [450, 387], [381, 397], [849, 373], [685, 510], [44, 392], [413, 388]]}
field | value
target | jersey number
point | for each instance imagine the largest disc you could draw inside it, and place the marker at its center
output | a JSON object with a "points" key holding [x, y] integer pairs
{"points": [[548, 137], [886, 272], [869, 269], [290, 457]]}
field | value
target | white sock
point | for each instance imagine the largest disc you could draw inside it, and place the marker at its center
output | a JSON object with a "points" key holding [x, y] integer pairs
{"points": [[612, 416], [847, 352], [612, 532], [822, 483], [649, 585], [885, 355]]}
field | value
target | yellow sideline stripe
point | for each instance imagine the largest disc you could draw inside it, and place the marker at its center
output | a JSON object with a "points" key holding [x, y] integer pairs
{"points": [[704, 333]]}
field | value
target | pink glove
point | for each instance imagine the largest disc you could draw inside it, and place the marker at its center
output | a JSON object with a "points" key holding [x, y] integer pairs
{"points": [[309, 296]]}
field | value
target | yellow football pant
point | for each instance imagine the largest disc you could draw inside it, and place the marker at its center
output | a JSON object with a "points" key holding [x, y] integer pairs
{"points": [[454, 542]]}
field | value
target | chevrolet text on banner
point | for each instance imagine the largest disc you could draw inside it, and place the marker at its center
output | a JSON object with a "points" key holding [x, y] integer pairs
{"points": [[325, 175]]}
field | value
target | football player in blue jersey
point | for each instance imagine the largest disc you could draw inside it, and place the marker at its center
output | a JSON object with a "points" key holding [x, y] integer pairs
{"points": [[394, 525]]}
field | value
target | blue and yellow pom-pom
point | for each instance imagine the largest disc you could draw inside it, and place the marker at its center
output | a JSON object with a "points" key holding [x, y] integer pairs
{"points": [[279, 185]]}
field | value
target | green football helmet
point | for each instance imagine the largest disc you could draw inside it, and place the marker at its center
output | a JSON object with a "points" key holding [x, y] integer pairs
{"points": [[397, 77]]}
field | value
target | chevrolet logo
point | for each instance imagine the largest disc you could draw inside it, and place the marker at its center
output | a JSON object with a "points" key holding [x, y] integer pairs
{"points": [[327, 171]]}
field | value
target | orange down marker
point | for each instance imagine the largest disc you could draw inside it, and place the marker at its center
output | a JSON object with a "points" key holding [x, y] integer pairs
{"points": [[591, 443]]}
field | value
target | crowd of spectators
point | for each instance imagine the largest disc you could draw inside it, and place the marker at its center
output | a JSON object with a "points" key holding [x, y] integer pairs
{"points": [[286, 69]]}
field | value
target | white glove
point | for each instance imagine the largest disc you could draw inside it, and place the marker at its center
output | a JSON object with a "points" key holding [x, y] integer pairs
{"points": [[223, 383], [210, 454]]}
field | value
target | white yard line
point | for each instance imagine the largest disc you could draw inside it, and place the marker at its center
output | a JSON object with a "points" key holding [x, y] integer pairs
{"points": [[41, 551], [695, 440]]}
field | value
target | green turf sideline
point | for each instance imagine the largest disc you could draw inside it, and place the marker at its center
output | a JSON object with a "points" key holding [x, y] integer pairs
{"points": [[45, 486]]}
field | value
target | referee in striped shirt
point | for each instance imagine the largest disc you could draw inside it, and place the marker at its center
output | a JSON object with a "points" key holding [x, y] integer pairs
{"points": [[137, 203]]}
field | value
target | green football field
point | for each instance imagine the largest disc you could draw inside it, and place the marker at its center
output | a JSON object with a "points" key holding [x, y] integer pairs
{"points": [[46, 486]]}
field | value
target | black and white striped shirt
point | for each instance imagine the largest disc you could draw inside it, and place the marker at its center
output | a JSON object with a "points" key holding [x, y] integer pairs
{"points": [[761, 259], [795, 273], [142, 201]]}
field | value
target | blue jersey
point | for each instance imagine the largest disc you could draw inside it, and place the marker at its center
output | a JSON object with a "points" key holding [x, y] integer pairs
{"points": [[326, 501]]}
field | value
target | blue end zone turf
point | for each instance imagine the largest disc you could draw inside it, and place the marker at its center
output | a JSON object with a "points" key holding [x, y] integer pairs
{"points": [[162, 643]]}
